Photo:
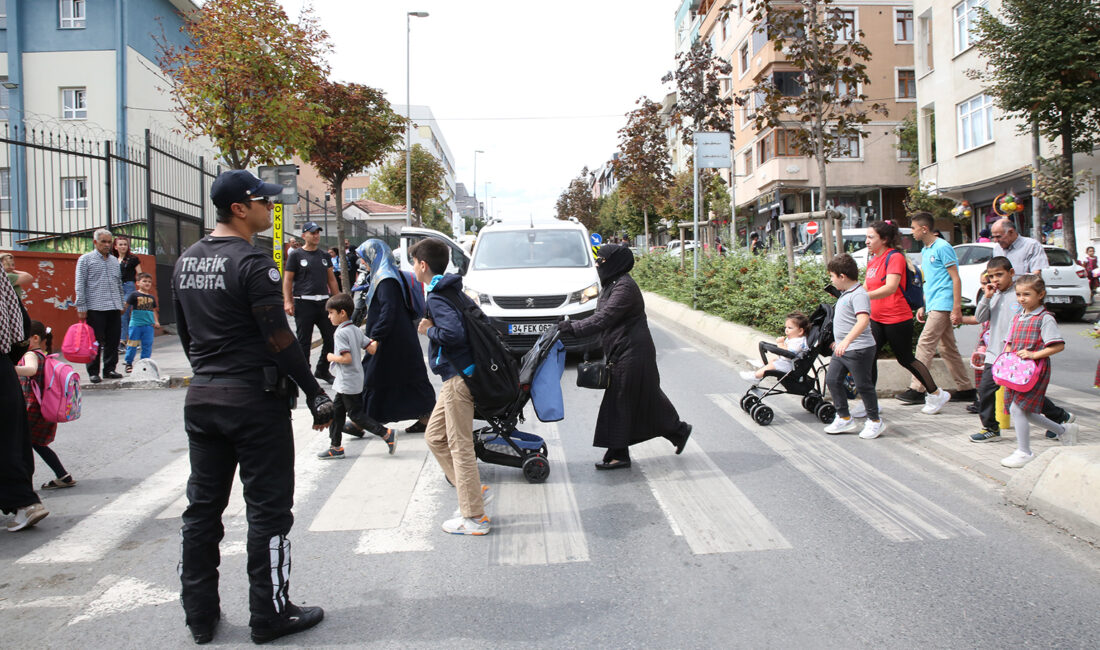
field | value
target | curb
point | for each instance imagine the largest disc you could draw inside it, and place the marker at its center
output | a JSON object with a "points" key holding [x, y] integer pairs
{"points": [[1061, 487]]}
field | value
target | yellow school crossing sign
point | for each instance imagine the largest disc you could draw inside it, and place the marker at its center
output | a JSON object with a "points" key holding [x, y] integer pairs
{"points": [[277, 236]]}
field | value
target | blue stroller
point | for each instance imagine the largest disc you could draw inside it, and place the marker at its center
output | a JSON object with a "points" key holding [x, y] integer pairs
{"points": [[500, 443]]}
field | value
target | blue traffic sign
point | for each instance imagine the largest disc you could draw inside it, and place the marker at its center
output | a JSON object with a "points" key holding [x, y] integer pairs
{"points": [[596, 239]]}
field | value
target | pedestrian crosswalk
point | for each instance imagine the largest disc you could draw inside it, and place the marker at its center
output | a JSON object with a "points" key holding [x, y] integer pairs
{"points": [[394, 504]]}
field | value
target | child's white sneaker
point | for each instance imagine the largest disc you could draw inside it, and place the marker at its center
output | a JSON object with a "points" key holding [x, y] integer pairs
{"points": [[857, 410], [756, 363], [1069, 435], [933, 403], [464, 526], [748, 375], [841, 425], [1017, 459], [872, 429]]}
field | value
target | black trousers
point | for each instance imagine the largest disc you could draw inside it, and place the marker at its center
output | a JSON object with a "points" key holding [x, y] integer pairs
{"points": [[987, 402], [350, 407], [900, 338], [308, 313], [229, 425], [16, 459], [107, 326]]}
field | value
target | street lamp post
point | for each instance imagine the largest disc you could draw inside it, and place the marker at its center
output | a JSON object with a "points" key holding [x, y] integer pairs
{"points": [[488, 212], [408, 115], [492, 201], [477, 206]]}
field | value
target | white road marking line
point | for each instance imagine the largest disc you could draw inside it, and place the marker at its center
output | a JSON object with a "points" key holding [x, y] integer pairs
{"points": [[894, 510], [420, 525], [701, 502], [535, 524], [376, 490], [125, 595], [235, 506], [96, 535]]}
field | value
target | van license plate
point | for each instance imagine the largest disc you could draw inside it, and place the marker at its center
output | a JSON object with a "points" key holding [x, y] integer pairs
{"points": [[529, 328], [1059, 300]]}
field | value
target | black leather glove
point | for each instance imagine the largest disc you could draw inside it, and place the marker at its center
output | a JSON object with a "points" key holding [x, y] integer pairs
{"points": [[565, 327], [321, 408]]}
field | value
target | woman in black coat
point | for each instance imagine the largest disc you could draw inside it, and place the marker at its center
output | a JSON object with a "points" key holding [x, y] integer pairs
{"points": [[395, 380], [634, 409]]}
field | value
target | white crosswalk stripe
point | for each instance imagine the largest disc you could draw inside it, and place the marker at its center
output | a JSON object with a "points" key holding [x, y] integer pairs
{"points": [[894, 510]]}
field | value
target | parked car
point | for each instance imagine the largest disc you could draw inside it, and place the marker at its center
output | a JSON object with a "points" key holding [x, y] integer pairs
{"points": [[855, 244], [673, 247], [1068, 293], [527, 277], [458, 263]]}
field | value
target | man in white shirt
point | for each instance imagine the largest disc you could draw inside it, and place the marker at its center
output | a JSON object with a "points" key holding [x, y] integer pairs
{"points": [[1026, 254], [99, 302]]}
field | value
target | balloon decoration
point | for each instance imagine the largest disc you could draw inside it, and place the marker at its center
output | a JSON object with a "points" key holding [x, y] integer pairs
{"points": [[1006, 204], [962, 210]]}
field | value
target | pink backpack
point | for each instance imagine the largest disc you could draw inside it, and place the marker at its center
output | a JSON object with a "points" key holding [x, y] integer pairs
{"points": [[59, 394], [1015, 373], [80, 345]]}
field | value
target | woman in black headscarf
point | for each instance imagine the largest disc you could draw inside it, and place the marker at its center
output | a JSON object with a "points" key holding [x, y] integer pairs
{"points": [[634, 409]]}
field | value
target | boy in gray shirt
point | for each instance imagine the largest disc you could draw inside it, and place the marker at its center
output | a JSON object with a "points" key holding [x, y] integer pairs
{"points": [[345, 364], [853, 351]]}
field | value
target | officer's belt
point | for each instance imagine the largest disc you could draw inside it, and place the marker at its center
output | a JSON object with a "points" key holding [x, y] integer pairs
{"points": [[317, 298], [248, 378]]}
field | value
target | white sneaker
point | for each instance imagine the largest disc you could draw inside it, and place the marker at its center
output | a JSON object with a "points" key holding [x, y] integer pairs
{"points": [[858, 411], [1017, 459], [1069, 436], [464, 526], [933, 403], [755, 363], [27, 516], [873, 429], [841, 425], [486, 498], [748, 375]]}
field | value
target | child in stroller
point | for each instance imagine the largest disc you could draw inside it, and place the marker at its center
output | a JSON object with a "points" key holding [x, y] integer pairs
{"points": [[786, 347], [500, 443], [806, 376]]}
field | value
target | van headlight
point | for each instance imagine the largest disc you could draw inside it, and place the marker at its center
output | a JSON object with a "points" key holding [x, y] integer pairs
{"points": [[586, 294], [478, 298]]}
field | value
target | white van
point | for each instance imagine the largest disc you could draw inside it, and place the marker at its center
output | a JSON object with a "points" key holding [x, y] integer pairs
{"points": [[855, 244], [529, 276]]}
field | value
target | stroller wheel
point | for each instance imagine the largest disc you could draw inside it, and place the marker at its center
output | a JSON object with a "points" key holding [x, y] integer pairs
{"points": [[810, 402], [762, 414], [535, 469], [825, 412], [748, 401]]}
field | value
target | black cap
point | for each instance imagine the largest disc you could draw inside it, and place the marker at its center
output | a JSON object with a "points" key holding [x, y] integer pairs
{"points": [[238, 186], [311, 226]]}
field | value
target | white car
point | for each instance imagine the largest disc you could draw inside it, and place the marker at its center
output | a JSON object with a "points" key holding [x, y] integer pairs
{"points": [[527, 277], [855, 244], [673, 248], [458, 263], [1068, 293]]}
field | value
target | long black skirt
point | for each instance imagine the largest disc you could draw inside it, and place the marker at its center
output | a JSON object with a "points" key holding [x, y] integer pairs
{"points": [[16, 459]]}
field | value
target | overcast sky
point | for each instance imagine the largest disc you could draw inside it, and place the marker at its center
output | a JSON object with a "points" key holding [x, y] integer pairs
{"points": [[541, 87]]}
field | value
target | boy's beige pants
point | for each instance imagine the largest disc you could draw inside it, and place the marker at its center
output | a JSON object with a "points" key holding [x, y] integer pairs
{"points": [[450, 436]]}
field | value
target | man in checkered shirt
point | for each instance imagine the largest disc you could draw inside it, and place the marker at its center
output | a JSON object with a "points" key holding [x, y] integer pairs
{"points": [[99, 302]]}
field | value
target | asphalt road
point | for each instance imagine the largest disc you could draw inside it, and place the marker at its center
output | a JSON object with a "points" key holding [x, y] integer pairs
{"points": [[754, 537]]}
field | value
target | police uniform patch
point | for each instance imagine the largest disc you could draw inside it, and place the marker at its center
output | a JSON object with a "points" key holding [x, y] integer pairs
{"points": [[304, 263], [273, 274]]}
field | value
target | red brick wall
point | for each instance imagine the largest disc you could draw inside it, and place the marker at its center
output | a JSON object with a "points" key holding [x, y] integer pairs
{"points": [[52, 297]]}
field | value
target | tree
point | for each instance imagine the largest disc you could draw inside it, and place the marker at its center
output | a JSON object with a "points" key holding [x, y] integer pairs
{"points": [[360, 128], [616, 215], [1043, 60], [908, 143], [576, 201], [643, 163], [699, 103], [376, 191], [826, 105], [435, 216], [248, 79], [427, 178]]}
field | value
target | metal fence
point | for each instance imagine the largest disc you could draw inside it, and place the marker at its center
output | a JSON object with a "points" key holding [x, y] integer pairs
{"points": [[323, 212]]}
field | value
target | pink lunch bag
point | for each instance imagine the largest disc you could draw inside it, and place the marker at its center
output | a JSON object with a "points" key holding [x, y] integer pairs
{"points": [[80, 345], [1015, 373]]}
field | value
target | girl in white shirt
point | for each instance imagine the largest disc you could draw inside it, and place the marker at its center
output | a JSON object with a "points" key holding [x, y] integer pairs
{"points": [[794, 341]]}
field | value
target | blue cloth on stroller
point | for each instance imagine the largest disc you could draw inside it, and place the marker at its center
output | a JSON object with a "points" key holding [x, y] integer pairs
{"points": [[546, 393]]}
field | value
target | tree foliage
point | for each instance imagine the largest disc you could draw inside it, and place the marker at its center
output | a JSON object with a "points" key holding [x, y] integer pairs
{"points": [[247, 79], [699, 102], [427, 175], [576, 201], [1058, 186], [359, 129], [1043, 62], [817, 40], [643, 163], [908, 142], [616, 215]]}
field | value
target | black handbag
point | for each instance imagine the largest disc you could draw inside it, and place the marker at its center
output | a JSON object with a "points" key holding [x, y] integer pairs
{"points": [[593, 374]]}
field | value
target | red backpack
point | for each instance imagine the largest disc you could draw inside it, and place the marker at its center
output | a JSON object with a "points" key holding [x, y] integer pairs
{"points": [[80, 345], [58, 395]]}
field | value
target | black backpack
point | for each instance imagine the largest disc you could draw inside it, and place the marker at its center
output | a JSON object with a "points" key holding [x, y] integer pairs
{"points": [[494, 383]]}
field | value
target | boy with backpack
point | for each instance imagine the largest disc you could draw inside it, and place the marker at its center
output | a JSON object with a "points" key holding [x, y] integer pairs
{"points": [[449, 431]]}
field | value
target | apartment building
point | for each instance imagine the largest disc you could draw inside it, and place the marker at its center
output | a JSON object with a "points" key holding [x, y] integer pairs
{"points": [[867, 177], [427, 133], [969, 151]]}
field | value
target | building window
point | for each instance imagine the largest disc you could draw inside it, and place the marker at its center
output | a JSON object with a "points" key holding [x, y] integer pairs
{"points": [[765, 150], [848, 32], [924, 43], [846, 147], [966, 21], [759, 38], [3, 14], [975, 122], [907, 83], [903, 26], [74, 104], [904, 154], [354, 194], [788, 83], [844, 90], [5, 98], [746, 159], [927, 139], [5, 189], [725, 28], [743, 58], [74, 193], [72, 14]]}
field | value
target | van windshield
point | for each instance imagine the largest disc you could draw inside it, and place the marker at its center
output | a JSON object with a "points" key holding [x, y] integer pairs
{"points": [[531, 248]]}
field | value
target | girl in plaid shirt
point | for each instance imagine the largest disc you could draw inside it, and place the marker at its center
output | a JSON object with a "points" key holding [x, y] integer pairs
{"points": [[1034, 335]]}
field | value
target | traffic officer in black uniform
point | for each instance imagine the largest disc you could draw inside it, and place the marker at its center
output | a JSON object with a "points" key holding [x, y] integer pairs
{"points": [[308, 281], [237, 411]]}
